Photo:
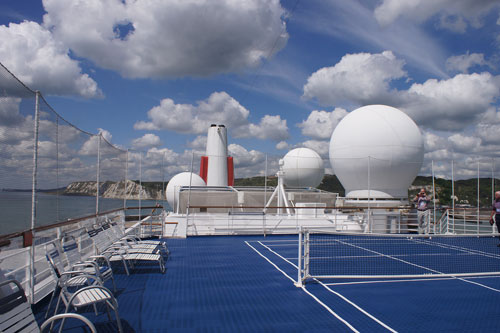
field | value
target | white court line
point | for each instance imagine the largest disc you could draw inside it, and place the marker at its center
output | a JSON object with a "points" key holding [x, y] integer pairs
{"points": [[458, 248], [307, 291], [332, 291], [389, 256], [412, 264], [408, 280], [282, 245], [294, 241]]}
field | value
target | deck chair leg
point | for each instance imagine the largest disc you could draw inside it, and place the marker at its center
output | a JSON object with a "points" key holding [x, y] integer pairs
{"points": [[60, 327], [114, 284], [51, 300], [162, 265], [55, 312], [107, 311], [57, 305], [118, 320], [126, 268]]}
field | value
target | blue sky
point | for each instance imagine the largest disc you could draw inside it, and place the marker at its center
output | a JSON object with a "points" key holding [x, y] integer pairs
{"points": [[279, 74]]}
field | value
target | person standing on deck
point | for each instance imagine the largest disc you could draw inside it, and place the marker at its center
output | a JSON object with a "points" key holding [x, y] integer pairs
{"points": [[422, 201], [496, 212]]}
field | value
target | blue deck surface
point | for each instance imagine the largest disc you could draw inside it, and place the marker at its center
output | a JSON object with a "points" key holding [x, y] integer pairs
{"points": [[243, 284]]}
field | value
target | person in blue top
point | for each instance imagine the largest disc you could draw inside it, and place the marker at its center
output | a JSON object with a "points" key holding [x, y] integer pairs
{"points": [[422, 201], [496, 212]]}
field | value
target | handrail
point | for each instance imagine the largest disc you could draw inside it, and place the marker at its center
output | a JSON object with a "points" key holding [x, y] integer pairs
{"points": [[4, 239], [283, 207]]}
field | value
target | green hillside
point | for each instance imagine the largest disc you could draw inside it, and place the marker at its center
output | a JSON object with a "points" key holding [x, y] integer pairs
{"points": [[465, 190]]}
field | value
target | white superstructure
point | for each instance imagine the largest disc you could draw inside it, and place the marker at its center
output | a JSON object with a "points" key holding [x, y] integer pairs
{"points": [[376, 151]]}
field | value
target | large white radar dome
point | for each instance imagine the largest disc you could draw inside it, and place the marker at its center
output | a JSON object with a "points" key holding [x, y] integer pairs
{"points": [[303, 167], [376, 151], [179, 180]]}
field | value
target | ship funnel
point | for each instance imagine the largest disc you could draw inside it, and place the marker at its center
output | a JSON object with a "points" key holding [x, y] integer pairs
{"points": [[216, 167]]}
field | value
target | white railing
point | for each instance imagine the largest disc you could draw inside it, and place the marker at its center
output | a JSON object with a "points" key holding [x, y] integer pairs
{"points": [[465, 221], [15, 258]]}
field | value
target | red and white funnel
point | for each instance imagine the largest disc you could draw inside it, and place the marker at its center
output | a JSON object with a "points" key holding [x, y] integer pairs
{"points": [[216, 167]]}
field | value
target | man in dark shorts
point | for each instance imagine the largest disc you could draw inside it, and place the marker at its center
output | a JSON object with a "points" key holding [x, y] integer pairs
{"points": [[496, 212]]}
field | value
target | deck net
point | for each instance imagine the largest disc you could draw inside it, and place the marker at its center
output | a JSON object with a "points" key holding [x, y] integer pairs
{"points": [[342, 255]]}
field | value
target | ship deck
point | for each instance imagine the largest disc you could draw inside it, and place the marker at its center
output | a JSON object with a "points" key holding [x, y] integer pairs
{"points": [[245, 283]]}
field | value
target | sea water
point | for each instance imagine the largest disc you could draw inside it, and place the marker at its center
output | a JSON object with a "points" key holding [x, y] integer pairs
{"points": [[15, 208]]}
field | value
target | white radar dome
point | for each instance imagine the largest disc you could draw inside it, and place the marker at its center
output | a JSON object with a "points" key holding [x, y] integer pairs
{"points": [[179, 180], [303, 167], [376, 151]]}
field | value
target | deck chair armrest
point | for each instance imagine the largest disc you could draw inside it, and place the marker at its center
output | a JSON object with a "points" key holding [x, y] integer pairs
{"points": [[121, 243], [72, 273], [132, 238], [115, 253], [84, 264], [115, 249], [68, 315], [101, 257]]}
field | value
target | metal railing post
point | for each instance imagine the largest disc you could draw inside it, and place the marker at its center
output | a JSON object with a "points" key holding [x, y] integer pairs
{"points": [[447, 221], [478, 190], [299, 261], [140, 186], [369, 198], [34, 197], [453, 193], [433, 195], [98, 174]]}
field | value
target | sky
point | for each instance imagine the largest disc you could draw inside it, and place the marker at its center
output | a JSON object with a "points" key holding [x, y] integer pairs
{"points": [[153, 75]]}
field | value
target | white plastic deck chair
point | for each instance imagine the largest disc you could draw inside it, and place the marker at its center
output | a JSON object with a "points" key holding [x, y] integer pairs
{"points": [[134, 258], [120, 253], [101, 265], [90, 296], [102, 248], [132, 245], [120, 234], [62, 272], [16, 314]]}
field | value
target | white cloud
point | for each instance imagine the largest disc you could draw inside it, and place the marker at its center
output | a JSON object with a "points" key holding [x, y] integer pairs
{"points": [[169, 38], [357, 77], [462, 63], [489, 133], [247, 163], [41, 62], [270, 127], [448, 104], [146, 141], [434, 142], [282, 145], [455, 23], [90, 146], [454, 15], [354, 23], [320, 124], [200, 142], [451, 104], [219, 108], [463, 143], [321, 147], [9, 111]]}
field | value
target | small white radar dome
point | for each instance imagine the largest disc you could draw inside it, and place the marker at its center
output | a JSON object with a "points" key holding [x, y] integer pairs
{"points": [[179, 180], [376, 151], [303, 167]]}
